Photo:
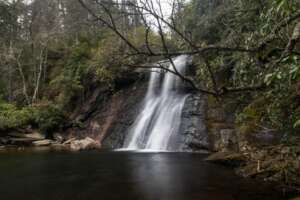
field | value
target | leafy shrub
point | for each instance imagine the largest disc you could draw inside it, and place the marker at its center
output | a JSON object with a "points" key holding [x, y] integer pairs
{"points": [[46, 117], [12, 117], [67, 82], [49, 118]]}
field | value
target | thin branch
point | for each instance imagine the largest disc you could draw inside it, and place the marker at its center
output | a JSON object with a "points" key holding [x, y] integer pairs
{"points": [[243, 89], [212, 76], [183, 78], [110, 26]]}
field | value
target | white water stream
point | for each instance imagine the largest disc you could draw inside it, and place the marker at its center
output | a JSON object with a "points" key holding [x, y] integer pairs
{"points": [[160, 115]]}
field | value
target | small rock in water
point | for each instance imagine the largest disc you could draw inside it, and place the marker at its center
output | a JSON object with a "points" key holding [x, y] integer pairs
{"points": [[84, 144], [42, 143]]}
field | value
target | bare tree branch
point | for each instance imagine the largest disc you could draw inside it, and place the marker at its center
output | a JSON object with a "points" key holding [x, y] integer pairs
{"points": [[147, 8], [110, 26]]}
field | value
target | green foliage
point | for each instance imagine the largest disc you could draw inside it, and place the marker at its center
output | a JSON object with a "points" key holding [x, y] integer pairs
{"points": [[12, 117], [297, 123], [254, 114], [87, 61], [106, 59], [67, 87], [68, 80], [8, 18], [285, 7], [2, 89], [137, 38], [46, 117], [247, 24], [284, 93], [49, 118], [198, 21], [286, 75]]}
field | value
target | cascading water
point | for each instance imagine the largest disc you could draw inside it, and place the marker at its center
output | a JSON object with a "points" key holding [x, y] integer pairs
{"points": [[160, 116]]}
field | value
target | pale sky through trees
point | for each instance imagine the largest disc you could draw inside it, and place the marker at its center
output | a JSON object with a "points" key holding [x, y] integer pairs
{"points": [[165, 4]]}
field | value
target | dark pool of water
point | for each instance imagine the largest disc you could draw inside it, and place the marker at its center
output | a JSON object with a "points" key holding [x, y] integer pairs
{"points": [[122, 175]]}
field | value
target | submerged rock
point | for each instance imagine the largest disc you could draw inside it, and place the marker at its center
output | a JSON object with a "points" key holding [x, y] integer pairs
{"points": [[84, 144]]}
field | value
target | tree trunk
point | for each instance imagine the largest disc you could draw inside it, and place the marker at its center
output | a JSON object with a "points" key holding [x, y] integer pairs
{"points": [[39, 75], [23, 82]]}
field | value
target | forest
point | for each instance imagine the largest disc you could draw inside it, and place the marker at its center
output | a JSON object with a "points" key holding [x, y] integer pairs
{"points": [[245, 58]]}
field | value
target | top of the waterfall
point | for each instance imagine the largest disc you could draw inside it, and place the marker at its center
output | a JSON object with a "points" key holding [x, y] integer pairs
{"points": [[184, 58]]}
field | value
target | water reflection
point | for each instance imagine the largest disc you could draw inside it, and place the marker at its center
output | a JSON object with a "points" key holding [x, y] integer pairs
{"points": [[158, 178]]}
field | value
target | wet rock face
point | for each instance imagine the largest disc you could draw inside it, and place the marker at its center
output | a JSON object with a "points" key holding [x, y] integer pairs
{"points": [[106, 116], [193, 132], [221, 128], [112, 119], [128, 109]]}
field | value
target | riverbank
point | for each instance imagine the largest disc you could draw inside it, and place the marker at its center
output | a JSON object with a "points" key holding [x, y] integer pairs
{"points": [[35, 140], [279, 164]]}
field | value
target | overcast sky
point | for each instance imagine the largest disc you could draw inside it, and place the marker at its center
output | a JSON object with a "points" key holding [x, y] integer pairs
{"points": [[165, 5]]}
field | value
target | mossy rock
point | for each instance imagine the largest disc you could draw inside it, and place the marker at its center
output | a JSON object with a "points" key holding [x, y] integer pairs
{"points": [[212, 101], [253, 112], [247, 129]]}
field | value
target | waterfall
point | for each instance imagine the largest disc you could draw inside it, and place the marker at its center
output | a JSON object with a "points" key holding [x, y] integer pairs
{"points": [[160, 116]]}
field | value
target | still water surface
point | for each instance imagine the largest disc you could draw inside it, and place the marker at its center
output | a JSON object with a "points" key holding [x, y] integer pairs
{"points": [[122, 176]]}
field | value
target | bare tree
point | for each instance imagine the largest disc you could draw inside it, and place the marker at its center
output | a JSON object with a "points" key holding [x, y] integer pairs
{"points": [[149, 11]]}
